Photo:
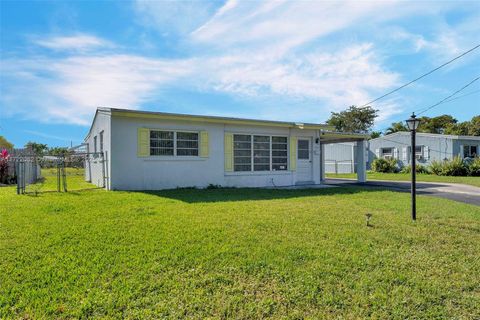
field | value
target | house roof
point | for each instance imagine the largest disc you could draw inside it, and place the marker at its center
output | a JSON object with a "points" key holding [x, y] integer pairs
{"points": [[433, 135], [217, 119], [227, 120]]}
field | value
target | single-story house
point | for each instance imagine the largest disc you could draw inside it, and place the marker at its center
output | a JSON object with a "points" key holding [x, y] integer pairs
{"points": [[155, 150], [340, 158], [429, 147]]}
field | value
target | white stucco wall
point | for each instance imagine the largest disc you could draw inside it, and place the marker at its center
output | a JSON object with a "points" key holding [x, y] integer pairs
{"points": [[130, 172], [97, 168]]}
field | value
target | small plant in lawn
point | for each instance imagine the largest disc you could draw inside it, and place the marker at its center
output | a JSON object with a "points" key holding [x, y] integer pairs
{"points": [[384, 165], [368, 216]]}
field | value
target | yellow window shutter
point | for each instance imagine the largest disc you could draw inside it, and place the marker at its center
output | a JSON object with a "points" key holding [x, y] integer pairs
{"points": [[143, 143], [204, 144], [228, 152], [293, 153]]}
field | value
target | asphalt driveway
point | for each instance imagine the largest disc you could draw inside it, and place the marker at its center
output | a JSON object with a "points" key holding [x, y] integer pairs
{"points": [[452, 191]]}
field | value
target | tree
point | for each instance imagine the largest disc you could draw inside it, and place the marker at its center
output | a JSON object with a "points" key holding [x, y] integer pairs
{"points": [[354, 119], [59, 151], [474, 126], [436, 124], [4, 143], [37, 148], [375, 134], [460, 129], [396, 127]]}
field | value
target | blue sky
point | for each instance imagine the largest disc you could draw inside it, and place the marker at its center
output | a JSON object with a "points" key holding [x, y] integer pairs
{"points": [[295, 61]]}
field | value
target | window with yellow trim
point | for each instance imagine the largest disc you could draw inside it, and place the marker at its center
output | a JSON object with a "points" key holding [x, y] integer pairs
{"points": [[173, 143], [260, 152]]}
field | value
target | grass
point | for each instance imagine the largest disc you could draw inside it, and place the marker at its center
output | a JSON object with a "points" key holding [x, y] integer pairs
{"points": [[474, 181], [48, 182], [237, 253]]}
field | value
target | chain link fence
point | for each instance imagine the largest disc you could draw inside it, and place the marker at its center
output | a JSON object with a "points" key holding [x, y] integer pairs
{"points": [[340, 166], [73, 172]]}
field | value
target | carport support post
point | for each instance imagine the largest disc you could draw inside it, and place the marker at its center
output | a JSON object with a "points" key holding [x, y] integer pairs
{"points": [[322, 161], [361, 161]]}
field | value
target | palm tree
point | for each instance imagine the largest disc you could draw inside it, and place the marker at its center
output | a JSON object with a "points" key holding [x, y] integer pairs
{"points": [[396, 127]]}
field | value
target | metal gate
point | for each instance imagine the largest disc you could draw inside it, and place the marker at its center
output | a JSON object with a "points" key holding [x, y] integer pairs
{"points": [[74, 172]]}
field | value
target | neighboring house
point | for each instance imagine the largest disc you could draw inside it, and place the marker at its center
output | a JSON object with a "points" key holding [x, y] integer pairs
{"points": [[429, 147], [154, 150]]}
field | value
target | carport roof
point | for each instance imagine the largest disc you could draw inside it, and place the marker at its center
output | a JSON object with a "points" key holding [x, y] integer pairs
{"points": [[327, 137]]}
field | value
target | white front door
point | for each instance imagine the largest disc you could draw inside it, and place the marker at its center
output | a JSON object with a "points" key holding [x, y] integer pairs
{"points": [[304, 160]]}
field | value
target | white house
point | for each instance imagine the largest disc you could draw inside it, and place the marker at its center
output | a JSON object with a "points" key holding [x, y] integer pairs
{"points": [[154, 150], [340, 157]]}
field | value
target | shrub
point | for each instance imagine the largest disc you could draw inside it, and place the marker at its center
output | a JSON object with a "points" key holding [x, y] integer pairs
{"points": [[384, 165], [214, 186], [419, 169], [454, 167], [474, 168], [436, 167], [4, 156]]}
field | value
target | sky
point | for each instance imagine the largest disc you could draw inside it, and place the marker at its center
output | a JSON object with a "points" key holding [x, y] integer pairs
{"points": [[276, 60]]}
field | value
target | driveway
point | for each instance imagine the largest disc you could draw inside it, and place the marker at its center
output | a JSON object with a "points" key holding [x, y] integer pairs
{"points": [[453, 191]]}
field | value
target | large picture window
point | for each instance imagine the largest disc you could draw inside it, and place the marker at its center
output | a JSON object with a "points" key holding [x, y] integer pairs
{"points": [[259, 153], [173, 143]]}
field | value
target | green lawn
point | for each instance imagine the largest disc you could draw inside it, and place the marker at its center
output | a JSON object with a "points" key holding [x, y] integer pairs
{"points": [[474, 181], [48, 182], [237, 253]]}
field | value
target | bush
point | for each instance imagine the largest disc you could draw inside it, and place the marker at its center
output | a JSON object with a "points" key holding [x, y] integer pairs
{"points": [[419, 169], [454, 167], [474, 167], [4, 156], [384, 165], [436, 167]]}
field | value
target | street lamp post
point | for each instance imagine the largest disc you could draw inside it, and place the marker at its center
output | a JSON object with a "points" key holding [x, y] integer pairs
{"points": [[412, 125]]}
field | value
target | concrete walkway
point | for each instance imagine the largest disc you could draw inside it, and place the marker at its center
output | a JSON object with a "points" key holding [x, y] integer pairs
{"points": [[453, 191]]}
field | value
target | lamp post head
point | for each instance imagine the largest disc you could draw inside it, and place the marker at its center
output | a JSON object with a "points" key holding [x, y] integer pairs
{"points": [[413, 122]]}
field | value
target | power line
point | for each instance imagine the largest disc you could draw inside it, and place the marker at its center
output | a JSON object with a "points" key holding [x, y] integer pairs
{"points": [[443, 100], [422, 76], [463, 95]]}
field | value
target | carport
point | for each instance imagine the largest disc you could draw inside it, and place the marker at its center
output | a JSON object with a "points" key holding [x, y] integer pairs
{"points": [[360, 150]]}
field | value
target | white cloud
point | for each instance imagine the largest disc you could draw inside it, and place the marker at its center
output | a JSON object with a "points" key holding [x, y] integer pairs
{"points": [[280, 24], [69, 90], [274, 50], [173, 17], [78, 42]]}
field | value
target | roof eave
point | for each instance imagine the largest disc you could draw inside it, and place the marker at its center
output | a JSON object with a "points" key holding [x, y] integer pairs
{"points": [[214, 119]]}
